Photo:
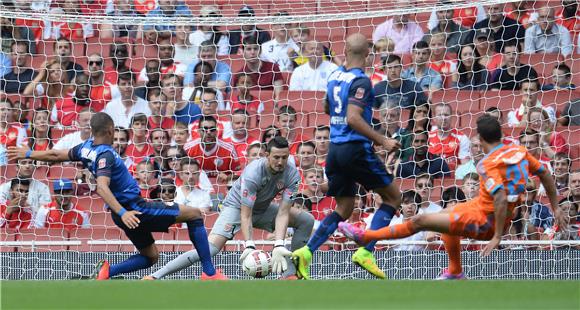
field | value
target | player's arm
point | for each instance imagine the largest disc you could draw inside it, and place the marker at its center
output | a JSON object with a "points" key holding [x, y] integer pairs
{"points": [[104, 168], [15, 153], [552, 192], [500, 215]]}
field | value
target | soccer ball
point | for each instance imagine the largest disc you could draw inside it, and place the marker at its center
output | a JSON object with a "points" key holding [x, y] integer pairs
{"points": [[257, 264]]}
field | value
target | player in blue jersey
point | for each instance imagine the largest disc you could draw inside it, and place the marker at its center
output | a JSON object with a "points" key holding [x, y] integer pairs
{"points": [[351, 158], [121, 193]]}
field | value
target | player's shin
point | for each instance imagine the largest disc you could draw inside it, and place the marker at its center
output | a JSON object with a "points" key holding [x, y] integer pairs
{"points": [[326, 228], [181, 262], [453, 248], [198, 235], [391, 232], [381, 218], [133, 263]]}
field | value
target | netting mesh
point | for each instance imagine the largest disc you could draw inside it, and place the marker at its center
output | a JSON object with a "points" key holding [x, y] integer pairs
{"points": [[260, 69]]}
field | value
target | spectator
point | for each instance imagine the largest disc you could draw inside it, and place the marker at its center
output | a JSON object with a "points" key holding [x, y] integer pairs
{"points": [[570, 229], [470, 74], [159, 140], [40, 138], [181, 110], [503, 28], [190, 194], [440, 60], [70, 30], [61, 212], [523, 12], [124, 108], [165, 192], [216, 157], [242, 98], [569, 15], [171, 162], [322, 144], [146, 176], [63, 50], [561, 79], [286, 121], [306, 157], [420, 118], [376, 72], [530, 140], [391, 122], [15, 213], [548, 37], [210, 33], [410, 202], [383, 47], [456, 35], [537, 217], [21, 74], [241, 137], [180, 134], [270, 133], [11, 134], [424, 186], [421, 161], [529, 91], [314, 74], [138, 147], [574, 186], [551, 141], [67, 109], [405, 33], [209, 107], [153, 74], [398, 89], [301, 35], [420, 72], [165, 9], [11, 32], [119, 55], [265, 74], [120, 144], [452, 196], [570, 115], [276, 50], [157, 108], [122, 9], [562, 167], [237, 36], [322, 205], [302, 203], [466, 16], [50, 84], [101, 90], [167, 64], [202, 75], [222, 74], [39, 193], [185, 51], [255, 151], [512, 73], [470, 185], [447, 141], [476, 155], [73, 139], [485, 51]]}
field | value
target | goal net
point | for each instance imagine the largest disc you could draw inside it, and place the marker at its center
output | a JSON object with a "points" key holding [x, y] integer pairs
{"points": [[256, 69]]}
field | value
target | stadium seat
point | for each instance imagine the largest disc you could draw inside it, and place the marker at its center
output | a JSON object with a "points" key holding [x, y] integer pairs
{"points": [[101, 219], [43, 240], [62, 172], [92, 204], [93, 239], [7, 235]]}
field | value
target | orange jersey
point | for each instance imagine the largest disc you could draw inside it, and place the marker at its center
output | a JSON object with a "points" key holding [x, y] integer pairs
{"points": [[506, 167]]}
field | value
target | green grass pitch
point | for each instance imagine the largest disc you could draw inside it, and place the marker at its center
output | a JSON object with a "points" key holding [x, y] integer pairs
{"points": [[347, 294]]}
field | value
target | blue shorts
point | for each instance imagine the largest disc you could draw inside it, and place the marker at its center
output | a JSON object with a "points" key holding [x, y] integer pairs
{"points": [[155, 216], [351, 163]]}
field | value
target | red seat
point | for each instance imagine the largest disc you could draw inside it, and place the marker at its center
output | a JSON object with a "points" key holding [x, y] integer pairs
{"points": [[92, 204], [94, 239], [43, 240], [101, 219], [7, 235], [62, 172]]}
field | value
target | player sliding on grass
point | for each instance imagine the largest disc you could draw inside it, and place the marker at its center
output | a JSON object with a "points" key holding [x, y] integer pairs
{"points": [[503, 172], [248, 205], [351, 158], [121, 193]]}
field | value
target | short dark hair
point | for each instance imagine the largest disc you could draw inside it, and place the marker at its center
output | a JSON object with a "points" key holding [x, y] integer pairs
{"points": [[154, 91], [209, 90], [126, 76], [139, 117], [531, 81], [207, 118], [168, 76], [392, 58], [452, 194], [100, 123], [286, 109], [19, 181], [512, 43], [563, 67], [489, 129], [322, 127], [189, 161], [306, 143], [62, 39], [277, 142], [471, 176], [419, 45], [251, 40], [302, 200], [411, 196], [240, 112], [123, 130]]}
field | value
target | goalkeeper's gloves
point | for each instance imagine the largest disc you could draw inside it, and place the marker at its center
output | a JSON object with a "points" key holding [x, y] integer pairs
{"points": [[279, 257], [249, 246]]}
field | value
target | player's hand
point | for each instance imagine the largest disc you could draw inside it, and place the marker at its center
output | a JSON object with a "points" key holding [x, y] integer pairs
{"points": [[493, 244], [390, 144], [130, 219], [250, 247], [279, 259], [16, 153]]}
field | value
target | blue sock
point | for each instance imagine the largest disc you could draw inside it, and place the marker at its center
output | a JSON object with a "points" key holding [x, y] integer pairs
{"points": [[382, 218], [133, 263], [326, 228], [198, 236]]}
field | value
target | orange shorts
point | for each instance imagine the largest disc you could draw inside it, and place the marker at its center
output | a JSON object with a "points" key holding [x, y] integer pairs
{"points": [[468, 220]]}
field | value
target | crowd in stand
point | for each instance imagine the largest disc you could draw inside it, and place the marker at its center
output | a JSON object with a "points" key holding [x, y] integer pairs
{"points": [[187, 124]]}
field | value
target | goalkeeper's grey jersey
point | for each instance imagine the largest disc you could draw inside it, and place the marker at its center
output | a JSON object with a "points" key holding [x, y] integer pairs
{"points": [[257, 187]]}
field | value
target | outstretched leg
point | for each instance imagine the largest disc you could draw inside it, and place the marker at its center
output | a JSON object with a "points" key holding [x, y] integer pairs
{"points": [[453, 248], [437, 222]]}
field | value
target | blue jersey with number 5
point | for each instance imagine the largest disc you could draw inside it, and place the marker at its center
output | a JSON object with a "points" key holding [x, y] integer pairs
{"points": [[348, 87]]}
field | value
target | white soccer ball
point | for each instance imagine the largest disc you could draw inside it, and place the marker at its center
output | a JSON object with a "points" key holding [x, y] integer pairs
{"points": [[257, 264]]}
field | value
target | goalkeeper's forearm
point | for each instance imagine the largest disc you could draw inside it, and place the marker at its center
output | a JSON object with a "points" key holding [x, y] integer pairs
{"points": [[246, 223], [282, 219]]}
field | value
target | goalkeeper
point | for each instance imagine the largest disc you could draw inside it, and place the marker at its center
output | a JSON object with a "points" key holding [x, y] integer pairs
{"points": [[249, 205]]}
